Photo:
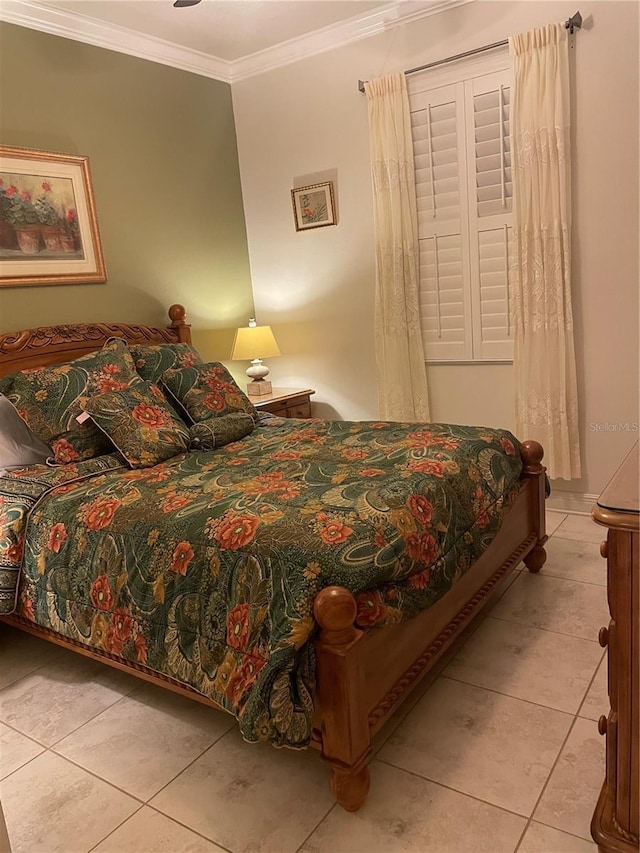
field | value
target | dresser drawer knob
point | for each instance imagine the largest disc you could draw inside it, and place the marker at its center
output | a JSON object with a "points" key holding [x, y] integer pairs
{"points": [[602, 725], [604, 549], [603, 637]]}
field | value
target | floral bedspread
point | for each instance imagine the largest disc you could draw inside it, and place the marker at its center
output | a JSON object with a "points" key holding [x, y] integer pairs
{"points": [[205, 567]]}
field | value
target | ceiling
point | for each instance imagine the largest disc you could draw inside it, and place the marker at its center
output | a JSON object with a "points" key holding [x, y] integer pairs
{"points": [[225, 39], [227, 29]]}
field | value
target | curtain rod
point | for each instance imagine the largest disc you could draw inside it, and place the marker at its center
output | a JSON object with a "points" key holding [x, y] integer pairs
{"points": [[572, 24]]}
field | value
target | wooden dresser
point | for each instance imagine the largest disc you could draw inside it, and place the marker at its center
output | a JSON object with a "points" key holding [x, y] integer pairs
{"points": [[615, 822]]}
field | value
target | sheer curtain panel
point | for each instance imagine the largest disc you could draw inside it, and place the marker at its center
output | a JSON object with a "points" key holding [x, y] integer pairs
{"points": [[402, 379], [540, 274]]}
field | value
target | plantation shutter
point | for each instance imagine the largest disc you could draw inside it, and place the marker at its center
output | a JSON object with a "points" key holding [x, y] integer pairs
{"points": [[464, 194], [441, 190], [487, 100]]}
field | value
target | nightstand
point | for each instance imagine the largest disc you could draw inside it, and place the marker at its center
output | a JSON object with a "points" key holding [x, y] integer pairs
{"points": [[286, 402]]}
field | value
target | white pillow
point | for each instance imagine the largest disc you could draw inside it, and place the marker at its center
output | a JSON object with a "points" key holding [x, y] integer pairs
{"points": [[19, 447]]}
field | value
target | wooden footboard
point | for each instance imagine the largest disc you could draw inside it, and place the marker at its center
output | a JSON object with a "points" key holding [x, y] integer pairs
{"points": [[362, 677]]}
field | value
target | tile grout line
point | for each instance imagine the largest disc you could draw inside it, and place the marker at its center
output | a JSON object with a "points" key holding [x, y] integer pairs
{"points": [[565, 831], [574, 580], [574, 539], [317, 826], [171, 819], [584, 698], [86, 722], [544, 787], [9, 775], [109, 834], [491, 615], [73, 731], [128, 793], [95, 776], [546, 783], [28, 737], [518, 698], [31, 671], [184, 769], [190, 828], [540, 628], [449, 788]]}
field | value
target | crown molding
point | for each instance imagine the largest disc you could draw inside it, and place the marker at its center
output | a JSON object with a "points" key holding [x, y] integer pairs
{"points": [[336, 35], [90, 31], [78, 27]]}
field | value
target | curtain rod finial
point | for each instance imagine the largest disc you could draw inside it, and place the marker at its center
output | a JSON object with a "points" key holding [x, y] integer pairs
{"points": [[574, 22], [361, 85]]}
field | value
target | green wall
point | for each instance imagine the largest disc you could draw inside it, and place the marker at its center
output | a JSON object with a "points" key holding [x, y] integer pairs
{"points": [[162, 150]]}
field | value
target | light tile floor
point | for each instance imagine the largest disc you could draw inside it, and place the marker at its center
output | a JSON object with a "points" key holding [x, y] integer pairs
{"points": [[498, 753]]}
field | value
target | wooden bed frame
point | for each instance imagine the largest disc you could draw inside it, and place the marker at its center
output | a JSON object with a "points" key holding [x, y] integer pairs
{"points": [[362, 676]]}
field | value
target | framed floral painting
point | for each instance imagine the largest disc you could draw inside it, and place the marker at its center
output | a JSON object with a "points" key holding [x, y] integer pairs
{"points": [[48, 225], [313, 206]]}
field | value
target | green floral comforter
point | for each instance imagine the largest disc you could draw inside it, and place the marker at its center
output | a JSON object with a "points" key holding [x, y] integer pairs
{"points": [[205, 567]]}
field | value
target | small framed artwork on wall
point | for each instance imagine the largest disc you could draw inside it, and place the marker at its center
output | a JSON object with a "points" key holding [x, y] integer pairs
{"points": [[48, 224], [314, 206]]}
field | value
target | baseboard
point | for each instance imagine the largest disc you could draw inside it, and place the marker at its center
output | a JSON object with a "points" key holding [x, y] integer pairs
{"points": [[578, 503]]}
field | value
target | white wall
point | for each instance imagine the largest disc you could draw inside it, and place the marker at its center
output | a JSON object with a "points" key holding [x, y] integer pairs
{"points": [[316, 288]]}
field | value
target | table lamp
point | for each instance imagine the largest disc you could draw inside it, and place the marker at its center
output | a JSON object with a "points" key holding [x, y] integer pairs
{"points": [[255, 343]]}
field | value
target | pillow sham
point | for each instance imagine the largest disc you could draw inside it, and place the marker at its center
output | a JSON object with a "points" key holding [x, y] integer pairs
{"points": [[206, 391], [152, 360], [49, 399], [140, 423], [19, 447], [216, 432]]}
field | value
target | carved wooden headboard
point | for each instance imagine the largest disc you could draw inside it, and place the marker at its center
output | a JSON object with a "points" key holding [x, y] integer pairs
{"points": [[53, 344]]}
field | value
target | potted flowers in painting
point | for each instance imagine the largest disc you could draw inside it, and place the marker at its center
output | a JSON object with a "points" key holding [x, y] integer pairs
{"points": [[37, 223], [48, 225]]}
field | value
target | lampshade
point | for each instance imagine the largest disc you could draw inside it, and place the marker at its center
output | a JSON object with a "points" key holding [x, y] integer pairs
{"points": [[254, 342]]}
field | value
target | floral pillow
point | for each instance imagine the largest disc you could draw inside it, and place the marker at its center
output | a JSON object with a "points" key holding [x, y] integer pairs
{"points": [[153, 359], [49, 399], [140, 423], [206, 391], [216, 432]]}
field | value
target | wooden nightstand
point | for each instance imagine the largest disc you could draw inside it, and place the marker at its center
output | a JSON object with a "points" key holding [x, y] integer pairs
{"points": [[286, 402]]}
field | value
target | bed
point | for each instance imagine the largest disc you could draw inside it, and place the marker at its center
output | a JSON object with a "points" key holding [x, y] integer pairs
{"points": [[332, 613]]}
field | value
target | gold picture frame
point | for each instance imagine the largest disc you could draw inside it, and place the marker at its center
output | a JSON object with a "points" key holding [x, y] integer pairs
{"points": [[48, 225], [313, 206]]}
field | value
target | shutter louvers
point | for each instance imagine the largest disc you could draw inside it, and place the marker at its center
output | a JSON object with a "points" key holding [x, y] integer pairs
{"points": [[442, 305], [495, 250], [438, 147], [435, 152], [488, 100], [492, 152]]}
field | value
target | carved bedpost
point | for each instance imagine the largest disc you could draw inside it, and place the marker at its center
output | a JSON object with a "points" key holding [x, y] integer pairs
{"points": [[177, 315], [346, 741], [532, 453]]}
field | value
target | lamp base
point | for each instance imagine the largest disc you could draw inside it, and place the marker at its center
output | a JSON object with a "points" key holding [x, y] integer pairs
{"points": [[259, 388]]}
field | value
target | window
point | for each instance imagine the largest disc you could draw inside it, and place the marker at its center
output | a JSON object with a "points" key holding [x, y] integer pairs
{"points": [[460, 124]]}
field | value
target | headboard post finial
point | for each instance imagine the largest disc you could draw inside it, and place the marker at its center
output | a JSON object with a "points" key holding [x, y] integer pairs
{"points": [[177, 315], [532, 454]]}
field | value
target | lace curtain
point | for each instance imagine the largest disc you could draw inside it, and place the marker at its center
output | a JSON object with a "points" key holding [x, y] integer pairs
{"points": [[544, 356], [402, 379]]}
